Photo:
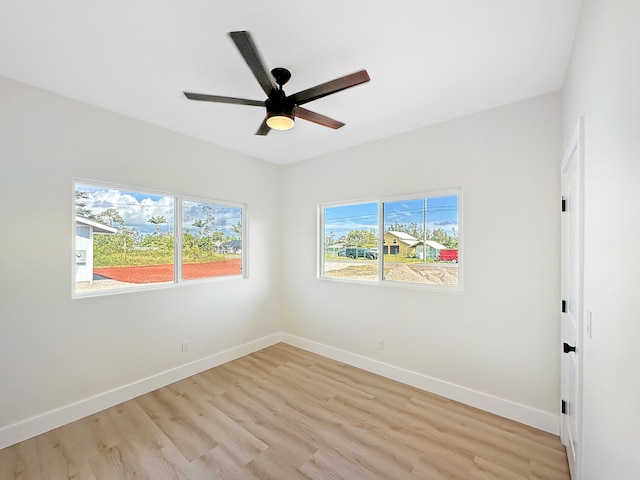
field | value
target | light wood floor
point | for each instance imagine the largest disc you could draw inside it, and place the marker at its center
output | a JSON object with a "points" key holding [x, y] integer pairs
{"points": [[283, 413]]}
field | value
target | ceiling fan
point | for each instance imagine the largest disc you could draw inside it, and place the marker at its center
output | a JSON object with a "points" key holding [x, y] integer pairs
{"points": [[282, 109]]}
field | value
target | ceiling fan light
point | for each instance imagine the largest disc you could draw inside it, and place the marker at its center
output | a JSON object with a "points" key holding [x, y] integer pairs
{"points": [[280, 120]]}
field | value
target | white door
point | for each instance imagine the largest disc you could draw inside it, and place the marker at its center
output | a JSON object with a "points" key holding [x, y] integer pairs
{"points": [[571, 291]]}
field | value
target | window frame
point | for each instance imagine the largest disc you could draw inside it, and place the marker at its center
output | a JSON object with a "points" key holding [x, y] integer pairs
{"points": [[321, 272], [178, 200], [321, 246], [222, 203]]}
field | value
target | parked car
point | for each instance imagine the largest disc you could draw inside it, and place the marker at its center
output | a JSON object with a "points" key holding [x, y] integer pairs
{"points": [[358, 252], [342, 253]]}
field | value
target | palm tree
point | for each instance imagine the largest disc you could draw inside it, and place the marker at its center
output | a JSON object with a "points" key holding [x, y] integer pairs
{"points": [[199, 224], [237, 228], [157, 221]]}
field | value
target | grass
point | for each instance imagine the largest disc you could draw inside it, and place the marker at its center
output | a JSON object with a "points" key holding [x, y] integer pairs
{"points": [[387, 259], [401, 259], [159, 256]]}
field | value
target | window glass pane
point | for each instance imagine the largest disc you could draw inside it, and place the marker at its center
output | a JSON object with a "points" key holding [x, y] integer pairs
{"points": [[123, 238], [211, 240], [351, 241], [420, 241]]}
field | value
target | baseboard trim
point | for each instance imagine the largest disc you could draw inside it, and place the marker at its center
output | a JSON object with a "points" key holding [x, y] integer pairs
{"points": [[514, 411], [42, 423], [39, 424]]}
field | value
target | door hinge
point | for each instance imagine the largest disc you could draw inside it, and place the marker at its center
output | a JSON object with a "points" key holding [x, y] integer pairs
{"points": [[564, 204], [564, 306], [565, 407], [566, 348]]}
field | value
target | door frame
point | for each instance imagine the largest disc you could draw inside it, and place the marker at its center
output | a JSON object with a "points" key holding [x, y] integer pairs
{"points": [[574, 150]]}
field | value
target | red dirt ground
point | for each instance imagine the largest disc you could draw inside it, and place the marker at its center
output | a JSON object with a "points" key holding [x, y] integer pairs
{"points": [[164, 273]]}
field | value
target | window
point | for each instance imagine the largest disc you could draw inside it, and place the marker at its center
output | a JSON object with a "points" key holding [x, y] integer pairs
{"points": [[351, 241], [421, 239], [211, 240], [420, 243], [126, 238]]}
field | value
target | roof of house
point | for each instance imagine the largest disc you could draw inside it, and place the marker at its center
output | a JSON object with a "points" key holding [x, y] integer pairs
{"points": [[403, 236], [97, 227], [436, 245], [233, 244], [413, 241]]}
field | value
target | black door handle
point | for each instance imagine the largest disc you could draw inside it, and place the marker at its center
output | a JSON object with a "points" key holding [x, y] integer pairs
{"points": [[568, 348]]}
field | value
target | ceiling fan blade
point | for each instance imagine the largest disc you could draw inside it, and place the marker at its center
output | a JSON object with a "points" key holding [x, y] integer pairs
{"points": [[317, 118], [333, 86], [264, 128], [249, 52], [219, 99]]}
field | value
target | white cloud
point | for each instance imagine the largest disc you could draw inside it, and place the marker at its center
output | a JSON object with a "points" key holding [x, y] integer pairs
{"points": [[135, 209]]}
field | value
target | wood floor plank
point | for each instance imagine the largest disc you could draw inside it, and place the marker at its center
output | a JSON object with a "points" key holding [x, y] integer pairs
{"points": [[117, 461], [20, 461], [221, 428], [178, 421], [276, 463], [56, 456], [285, 413], [339, 465], [148, 444], [443, 461]]}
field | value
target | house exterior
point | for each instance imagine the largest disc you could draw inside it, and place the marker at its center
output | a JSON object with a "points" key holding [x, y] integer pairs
{"points": [[432, 249], [399, 243], [85, 229], [232, 246]]}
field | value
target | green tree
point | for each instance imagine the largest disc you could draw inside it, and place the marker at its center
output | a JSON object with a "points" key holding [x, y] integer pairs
{"points": [[396, 227], [157, 221], [199, 224], [111, 250], [209, 218], [81, 206], [189, 240], [362, 238], [110, 217], [237, 229], [452, 244], [330, 239], [217, 237], [440, 236]]}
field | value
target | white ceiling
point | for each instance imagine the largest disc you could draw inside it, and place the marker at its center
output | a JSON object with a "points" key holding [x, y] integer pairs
{"points": [[429, 61]]}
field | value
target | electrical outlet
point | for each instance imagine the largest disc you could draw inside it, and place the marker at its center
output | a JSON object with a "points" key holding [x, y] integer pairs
{"points": [[185, 346], [381, 344]]}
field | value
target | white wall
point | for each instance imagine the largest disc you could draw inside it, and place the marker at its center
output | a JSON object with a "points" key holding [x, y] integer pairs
{"points": [[498, 339], [603, 85], [55, 351], [501, 336]]}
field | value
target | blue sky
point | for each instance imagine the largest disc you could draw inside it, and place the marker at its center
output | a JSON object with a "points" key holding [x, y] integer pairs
{"points": [[341, 220], [225, 216], [442, 212], [136, 208]]}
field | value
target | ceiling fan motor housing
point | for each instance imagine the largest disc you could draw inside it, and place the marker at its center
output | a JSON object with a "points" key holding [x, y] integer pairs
{"points": [[280, 111], [278, 103]]}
